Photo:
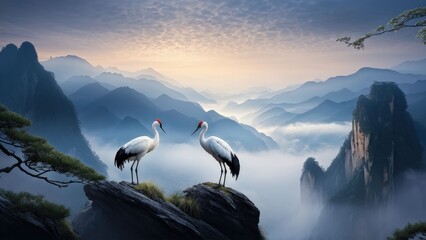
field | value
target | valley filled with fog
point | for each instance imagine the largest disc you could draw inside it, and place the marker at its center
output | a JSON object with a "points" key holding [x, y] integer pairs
{"points": [[269, 178]]}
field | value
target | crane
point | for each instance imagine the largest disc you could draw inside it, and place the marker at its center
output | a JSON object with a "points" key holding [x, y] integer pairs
{"points": [[136, 148], [220, 150]]}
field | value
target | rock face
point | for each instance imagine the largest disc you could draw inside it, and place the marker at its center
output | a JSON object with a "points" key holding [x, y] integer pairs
{"points": [[19, 225], [31, 91], [381, 146], [311, 182], [117, 211], [362, 181]]}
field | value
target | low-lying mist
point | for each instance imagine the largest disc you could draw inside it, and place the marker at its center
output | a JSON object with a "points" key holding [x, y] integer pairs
{"points": [[309, 137], [270, 179]]}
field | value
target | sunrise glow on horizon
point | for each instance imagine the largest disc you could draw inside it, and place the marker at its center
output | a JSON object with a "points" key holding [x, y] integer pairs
{"points": [[220, 46]]}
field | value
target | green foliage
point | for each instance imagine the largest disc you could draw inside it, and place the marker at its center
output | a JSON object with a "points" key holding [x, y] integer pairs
{"points": [[37, 206], [10, 120], [150, 190], [408, 231], [39, 156], [407, 19], [187, 204]]}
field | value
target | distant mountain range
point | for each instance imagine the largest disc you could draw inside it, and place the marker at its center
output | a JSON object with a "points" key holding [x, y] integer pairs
{"points": [[356, 82], [69, 71], [330, 100], [104, 117], [116, 107], [414, 67]]}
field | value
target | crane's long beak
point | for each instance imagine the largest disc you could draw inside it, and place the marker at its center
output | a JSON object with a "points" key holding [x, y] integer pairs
{"points": [[195, 131], [161, 126]]}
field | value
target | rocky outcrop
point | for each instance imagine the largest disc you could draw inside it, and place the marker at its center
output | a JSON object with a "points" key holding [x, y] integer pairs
{"points": [[384, 141], [118, 211], [17, 224], [382, 145], [311, 182], [362, 181]]}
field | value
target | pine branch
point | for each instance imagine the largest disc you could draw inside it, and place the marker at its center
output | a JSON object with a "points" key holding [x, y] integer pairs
{"points": [[395, 24]]}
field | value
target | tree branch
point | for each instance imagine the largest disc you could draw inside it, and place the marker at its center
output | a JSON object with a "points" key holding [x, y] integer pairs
{"points": [[39, 174], [12, 154], [53, 182], [393, 25]]}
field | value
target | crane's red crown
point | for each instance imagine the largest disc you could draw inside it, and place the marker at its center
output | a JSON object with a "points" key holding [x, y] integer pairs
{"points": [[200, 123], [158, 120]]}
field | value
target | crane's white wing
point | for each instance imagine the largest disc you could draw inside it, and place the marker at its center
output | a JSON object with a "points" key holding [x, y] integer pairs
{"points": [[137, 145], [220, 148]]}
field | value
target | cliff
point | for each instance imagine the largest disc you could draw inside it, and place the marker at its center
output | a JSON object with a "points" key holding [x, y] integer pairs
{"points": [[362, 182], [381, 147], [311, 182], [118, 211], [28, 89]]}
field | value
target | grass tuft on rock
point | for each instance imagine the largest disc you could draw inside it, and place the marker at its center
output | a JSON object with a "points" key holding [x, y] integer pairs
{"points": [[187, 204], [151, 190], [217, 187]]}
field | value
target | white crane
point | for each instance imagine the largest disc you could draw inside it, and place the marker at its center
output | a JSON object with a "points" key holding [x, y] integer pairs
{"points": [[220, 150], [136, 148]]}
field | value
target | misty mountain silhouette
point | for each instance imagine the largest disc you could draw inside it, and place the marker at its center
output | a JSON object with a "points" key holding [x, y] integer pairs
{"points": [[179, 118], [150, 88], [165, 102], [87, 94], [68, 66], [75, 82], [26, 88], [274, 116], [327, 111], [355, 82], [414, 67]]}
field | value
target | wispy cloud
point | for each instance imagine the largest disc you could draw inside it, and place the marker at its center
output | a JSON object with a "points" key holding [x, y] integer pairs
{"points": [[152, 26]]}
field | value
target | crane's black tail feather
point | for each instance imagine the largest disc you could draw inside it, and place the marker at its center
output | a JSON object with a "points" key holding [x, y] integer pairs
{"points": [[234, 165], [120, 158]]}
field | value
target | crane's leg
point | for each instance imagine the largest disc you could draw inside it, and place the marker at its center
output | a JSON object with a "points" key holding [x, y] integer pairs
{"points": [[131, 170], [221, 172], [137, 177], [224, 179]]}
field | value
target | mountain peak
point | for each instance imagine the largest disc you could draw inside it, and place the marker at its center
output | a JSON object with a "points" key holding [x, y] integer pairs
{"points": [[8, 54], [10, 48], [75, 58], [27, 52], [368, 70]]}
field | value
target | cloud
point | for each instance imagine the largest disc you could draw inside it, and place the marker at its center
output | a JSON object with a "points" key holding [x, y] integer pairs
{"points": [[201, 26], [309, 137], [270, 179], [302, 129]]}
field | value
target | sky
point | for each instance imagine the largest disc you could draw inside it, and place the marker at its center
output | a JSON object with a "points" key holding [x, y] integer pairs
{"points": [[216, 45]]}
